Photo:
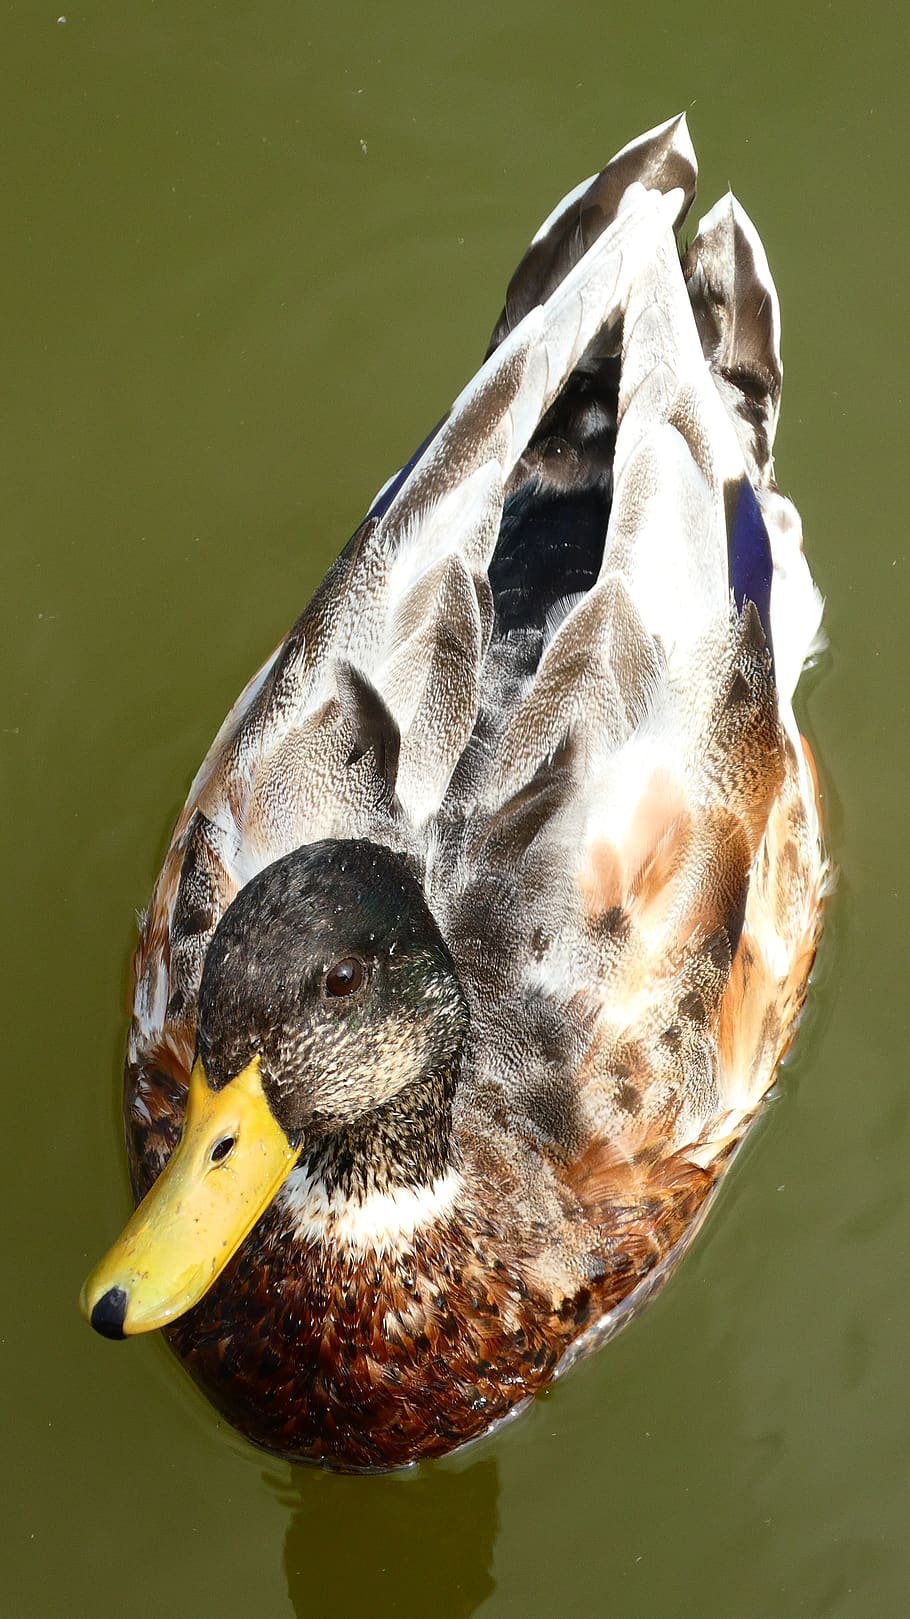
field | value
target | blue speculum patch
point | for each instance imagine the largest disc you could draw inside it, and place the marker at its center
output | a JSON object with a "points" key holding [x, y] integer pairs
{"points": [[749, 553], [384, 500]]}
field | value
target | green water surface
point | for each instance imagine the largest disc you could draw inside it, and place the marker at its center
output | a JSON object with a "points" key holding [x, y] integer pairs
{"points": [[250, 253]]}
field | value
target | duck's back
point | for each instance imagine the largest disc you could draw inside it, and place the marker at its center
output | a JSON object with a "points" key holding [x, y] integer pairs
{"points": [[555, 667], [628, 855]]}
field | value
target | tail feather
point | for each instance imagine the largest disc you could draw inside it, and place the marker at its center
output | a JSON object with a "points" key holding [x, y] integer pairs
{"points": [[737, 314], [662, 160]]}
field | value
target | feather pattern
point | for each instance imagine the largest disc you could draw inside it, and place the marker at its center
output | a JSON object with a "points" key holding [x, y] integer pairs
{"points": [[542, 671]]}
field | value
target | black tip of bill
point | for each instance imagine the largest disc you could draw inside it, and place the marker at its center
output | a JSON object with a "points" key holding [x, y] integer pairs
{"points": [[109, 1313]]}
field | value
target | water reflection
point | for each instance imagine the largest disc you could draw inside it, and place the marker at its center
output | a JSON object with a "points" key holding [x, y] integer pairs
{"points": [[408, 1535]]}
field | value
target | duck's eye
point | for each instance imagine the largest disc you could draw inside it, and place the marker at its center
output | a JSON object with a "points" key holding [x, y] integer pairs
{"points": [[221, 1150], [345, 978]]}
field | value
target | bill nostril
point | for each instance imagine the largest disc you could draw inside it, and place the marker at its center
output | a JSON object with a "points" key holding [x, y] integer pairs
{"points": [[110, 1312]]}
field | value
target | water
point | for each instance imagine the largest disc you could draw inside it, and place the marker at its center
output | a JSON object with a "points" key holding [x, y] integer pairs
{"points": [[251, 252]]}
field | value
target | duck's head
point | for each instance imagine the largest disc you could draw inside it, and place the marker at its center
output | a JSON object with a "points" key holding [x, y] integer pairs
{"points": [[327, 992]]}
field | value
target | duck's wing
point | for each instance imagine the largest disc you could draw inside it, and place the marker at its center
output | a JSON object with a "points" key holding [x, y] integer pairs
{"points": [[654, 760], [355, 726]]}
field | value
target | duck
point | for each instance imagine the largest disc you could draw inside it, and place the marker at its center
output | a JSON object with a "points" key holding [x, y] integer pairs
{"points": [[490, 912]]}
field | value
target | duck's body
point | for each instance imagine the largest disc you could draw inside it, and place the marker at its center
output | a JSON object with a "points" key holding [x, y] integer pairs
{"points": [[536, 730]]}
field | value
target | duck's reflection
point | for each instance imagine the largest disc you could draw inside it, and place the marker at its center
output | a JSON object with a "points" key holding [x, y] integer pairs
{"points": [[407, 1543]]}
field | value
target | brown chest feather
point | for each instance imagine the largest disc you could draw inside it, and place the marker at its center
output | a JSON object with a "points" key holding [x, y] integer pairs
{"points": [[367, 1363]]}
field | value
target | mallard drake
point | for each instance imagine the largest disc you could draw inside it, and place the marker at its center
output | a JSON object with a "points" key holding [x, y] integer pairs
{"points": [[491, 909]]}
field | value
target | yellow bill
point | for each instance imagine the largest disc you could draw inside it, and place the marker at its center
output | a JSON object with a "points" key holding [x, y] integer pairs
{"points": [[220, 1178]]}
